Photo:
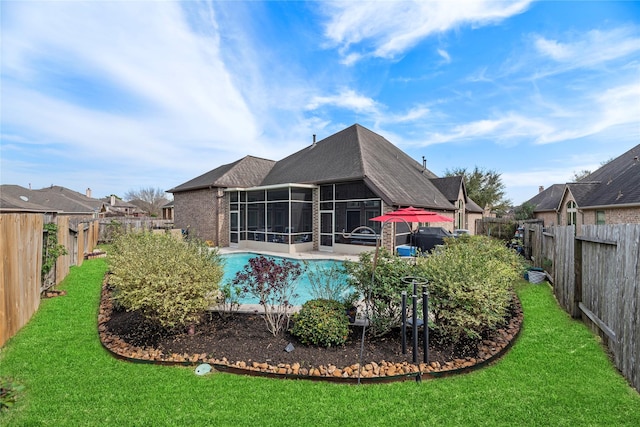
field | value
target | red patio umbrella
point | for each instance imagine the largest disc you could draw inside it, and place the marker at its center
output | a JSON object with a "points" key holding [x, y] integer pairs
{"points": [[411, 214]]}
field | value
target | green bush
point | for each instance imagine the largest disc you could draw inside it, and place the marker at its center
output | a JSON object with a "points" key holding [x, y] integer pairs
{"points": [[383, 295], [321, 322], [470, 285], [172, 282]]}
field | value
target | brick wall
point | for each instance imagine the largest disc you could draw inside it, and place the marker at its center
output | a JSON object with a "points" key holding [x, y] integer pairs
{"points": [[197, 211], [613, 216]]}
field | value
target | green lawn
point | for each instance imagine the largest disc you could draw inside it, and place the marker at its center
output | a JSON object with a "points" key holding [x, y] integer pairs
{"points": [[556, 374]]}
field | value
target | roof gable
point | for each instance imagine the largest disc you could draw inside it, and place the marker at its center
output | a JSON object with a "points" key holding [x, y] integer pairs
{"points": [[549, 199], [356, 153], [246, 172]]}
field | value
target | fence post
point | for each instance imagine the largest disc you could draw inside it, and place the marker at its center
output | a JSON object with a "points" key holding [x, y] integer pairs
{"points": [[577, 271]]}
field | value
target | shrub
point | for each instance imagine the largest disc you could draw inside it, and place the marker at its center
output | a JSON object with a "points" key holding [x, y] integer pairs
{"points": [[383, 295], [274, 284], [470, 285], [170, 281], [229, 299], [321, 322], [327, 281], [51, 251]]}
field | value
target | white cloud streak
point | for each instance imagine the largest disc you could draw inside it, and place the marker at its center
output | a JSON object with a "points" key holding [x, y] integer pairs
{"points": [[386, 29]]}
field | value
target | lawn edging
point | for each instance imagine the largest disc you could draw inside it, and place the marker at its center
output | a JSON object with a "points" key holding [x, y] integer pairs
{"points": [[372, 372]]}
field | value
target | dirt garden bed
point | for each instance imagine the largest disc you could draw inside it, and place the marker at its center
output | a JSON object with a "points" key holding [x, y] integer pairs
{"points": [[241, 343]]}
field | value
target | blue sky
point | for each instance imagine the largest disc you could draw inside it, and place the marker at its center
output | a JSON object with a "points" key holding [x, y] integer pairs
{"points": [[123, 95]]}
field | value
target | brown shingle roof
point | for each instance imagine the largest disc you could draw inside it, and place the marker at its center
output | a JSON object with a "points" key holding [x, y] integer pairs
{"points": [[56, 198], [246, 172], [356, 153]]}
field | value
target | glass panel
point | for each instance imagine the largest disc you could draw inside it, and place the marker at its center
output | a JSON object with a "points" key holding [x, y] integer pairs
{"points": [[325, 223], [326, 240], [234, 238], [233, 207], [326, 206], [301, 218], [326, 192], [600, 218], [304, 194], [277, 216], [255, 196], [233, 196], [353, 190], [255, 217], [278, 194], [353, 220]]}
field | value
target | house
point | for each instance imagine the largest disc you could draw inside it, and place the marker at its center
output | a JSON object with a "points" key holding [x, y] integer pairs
{"points": [[467, 211], [112, 206], [314, 198], [610, 195], [53, 199], [167, 211]]}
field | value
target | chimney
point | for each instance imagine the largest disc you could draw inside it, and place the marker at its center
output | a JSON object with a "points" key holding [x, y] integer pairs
{"points": [[88, 193], [424, 162], [541, 189], [113, 200], [314, 139]]}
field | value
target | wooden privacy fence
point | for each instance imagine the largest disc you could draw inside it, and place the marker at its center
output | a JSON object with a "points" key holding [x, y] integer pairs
{"points": [[21, 248], [20, 265], [110, 227], [596, 276]]}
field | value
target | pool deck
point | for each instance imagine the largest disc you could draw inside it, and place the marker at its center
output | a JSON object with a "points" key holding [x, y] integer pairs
{"points": [[299, 256]]}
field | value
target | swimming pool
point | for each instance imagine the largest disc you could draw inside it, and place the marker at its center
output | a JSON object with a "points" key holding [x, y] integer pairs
{"points": [[236, 262]]}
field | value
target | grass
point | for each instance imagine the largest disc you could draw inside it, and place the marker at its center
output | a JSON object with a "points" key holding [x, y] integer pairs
{"points": [[556, 374]]}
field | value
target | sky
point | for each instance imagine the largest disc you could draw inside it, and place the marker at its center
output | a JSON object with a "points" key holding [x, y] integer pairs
{"points": [[117, 96]]}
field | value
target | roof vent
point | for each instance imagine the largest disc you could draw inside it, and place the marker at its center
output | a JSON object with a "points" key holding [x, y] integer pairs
{"points": [[314, 139]]}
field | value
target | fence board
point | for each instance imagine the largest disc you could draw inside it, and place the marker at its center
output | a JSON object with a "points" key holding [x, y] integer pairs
{"points": [[20, 265]]}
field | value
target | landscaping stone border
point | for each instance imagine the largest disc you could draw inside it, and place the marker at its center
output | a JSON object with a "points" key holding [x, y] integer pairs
{"points": [[373, 372]]}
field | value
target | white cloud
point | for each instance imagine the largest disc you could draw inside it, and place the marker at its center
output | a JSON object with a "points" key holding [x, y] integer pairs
{"points": [[346, 98], [445, 55], [386, 29], [156, 85]]}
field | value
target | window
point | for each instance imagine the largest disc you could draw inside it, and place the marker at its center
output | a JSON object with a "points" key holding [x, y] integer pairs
{"points": [[572, 212], [600, 218]]}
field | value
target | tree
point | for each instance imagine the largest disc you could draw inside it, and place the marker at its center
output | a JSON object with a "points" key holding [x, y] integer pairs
{"points": [[577, 176], [148, 199], [525, 211], [484, 187]]}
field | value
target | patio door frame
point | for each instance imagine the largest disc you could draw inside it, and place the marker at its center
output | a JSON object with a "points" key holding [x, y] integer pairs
{"points": [[331, 215]]}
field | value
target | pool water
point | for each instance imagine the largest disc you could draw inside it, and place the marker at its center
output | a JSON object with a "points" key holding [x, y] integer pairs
{"points": [[236, 262]]}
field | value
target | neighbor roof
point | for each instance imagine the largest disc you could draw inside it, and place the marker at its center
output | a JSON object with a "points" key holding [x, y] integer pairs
{"points": [[548, 199], [12, 199], [55, 198], [619, 181], [614, 184]]}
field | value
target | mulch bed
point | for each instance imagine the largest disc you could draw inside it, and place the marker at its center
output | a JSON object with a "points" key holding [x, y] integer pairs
{"points": [[242, 342]]}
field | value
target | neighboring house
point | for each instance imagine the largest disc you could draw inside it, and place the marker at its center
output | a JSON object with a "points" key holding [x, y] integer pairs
{"points": [[112, 206], [10, 202], [167, 211], [610, 195], [313, 198], [467, 211], [54, 199]]}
